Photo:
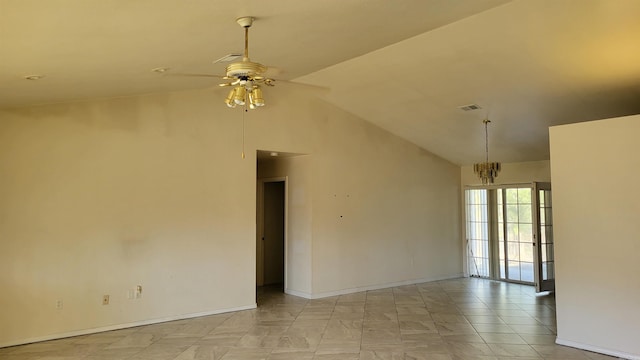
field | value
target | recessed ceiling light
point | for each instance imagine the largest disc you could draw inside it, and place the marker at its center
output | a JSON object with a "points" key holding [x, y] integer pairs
{"points": [[33, 77], [160, 70], [273, 153]]}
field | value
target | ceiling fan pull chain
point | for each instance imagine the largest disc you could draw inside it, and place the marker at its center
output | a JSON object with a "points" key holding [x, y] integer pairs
{"points": [[243, 111]]}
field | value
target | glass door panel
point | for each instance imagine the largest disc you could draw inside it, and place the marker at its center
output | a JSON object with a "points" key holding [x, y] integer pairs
{"points": [[545, 265], [477, 232], [515, 223], [502, 249]]}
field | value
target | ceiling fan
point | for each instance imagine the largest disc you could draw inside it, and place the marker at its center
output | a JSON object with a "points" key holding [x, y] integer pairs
{"points": [[245, 76]]}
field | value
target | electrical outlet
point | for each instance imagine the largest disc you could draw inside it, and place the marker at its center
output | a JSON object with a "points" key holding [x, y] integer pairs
{"points": [[59, 304], [105, 299]]}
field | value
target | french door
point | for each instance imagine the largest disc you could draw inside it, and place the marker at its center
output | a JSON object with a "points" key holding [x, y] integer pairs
{"points": [[543, 239], [509, 234]]}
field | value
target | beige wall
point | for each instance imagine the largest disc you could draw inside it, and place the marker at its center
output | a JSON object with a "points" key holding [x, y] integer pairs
{"points": [[384, 212], [101, 196], [596, 206]]}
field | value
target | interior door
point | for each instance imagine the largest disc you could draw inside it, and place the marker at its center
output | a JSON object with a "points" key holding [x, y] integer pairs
{"points": [[543, 238]]}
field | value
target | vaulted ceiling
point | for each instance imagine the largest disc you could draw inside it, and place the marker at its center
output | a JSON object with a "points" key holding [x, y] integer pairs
{"points": [[406, 66]]}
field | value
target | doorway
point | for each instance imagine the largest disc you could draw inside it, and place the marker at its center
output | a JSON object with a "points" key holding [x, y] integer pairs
{"points": [[270, 242], [509, 234]]}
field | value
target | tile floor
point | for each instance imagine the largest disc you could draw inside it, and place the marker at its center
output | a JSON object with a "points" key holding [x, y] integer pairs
{"points": [[452, 319]]}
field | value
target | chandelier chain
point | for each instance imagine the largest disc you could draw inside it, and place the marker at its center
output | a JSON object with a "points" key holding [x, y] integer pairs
{"points": [[486, 139]]}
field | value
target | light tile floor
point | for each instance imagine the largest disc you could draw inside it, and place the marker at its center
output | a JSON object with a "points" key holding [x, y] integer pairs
{"points": [[452, 319]]}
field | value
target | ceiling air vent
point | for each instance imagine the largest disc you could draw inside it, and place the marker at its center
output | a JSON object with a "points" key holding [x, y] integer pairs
{"points": [[470, 107]]}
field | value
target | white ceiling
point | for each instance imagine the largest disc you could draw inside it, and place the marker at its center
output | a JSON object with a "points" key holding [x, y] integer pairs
{"points": [[404, 65]]}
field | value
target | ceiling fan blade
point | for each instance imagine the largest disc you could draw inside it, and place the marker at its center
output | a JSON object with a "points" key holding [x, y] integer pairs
{"points": [[272, 82], [197, 75], [245, 75]]}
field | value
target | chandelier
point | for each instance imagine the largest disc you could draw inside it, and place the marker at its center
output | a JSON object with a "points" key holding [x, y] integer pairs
{"points": [[487, 171]]}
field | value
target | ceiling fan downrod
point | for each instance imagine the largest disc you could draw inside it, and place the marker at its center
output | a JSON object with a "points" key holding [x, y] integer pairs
{"points": [[245, 22]]}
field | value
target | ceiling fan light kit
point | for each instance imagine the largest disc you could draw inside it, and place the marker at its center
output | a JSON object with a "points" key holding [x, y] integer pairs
{"points": [[239, 95], [255, 97], [487, 171]]}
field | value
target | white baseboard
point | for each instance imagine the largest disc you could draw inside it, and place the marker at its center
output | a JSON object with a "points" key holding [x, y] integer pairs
{"points": [[597, 349], [379, 286], [214, 312], [122, 326], [301, 294]]}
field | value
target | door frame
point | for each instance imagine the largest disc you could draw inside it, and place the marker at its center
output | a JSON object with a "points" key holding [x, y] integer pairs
{"points": [[542, 285], [494, 227], [534, 260], [260, 227], [494, 257]]}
